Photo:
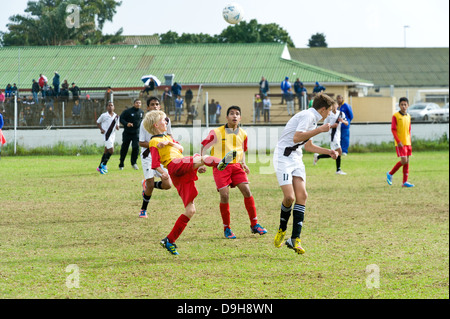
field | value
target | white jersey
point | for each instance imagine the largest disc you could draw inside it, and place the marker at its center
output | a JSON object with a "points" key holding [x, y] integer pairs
{"points": [[105, 120], [303, 121], [332, 119]]}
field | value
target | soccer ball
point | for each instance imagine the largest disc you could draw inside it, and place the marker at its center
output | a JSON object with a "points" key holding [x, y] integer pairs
{"points": [[233, 13]]}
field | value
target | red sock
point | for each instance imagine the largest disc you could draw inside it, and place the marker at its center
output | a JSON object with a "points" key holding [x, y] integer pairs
{"points": [[211, 161], [405, 172], [178, 228], [396, 167], [251, 210], [225, 212]]}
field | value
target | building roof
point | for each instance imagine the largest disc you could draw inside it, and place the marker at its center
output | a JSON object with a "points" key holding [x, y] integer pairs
{"points": [[404, 67], [124, 65]]}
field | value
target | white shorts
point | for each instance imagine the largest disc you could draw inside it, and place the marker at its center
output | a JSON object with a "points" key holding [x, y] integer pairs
{"points": [[147, 168], [288, 166], [334, 145], [110, 142]]}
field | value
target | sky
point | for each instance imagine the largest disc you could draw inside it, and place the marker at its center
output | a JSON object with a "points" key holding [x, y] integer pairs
{"points": [[345, 23]]}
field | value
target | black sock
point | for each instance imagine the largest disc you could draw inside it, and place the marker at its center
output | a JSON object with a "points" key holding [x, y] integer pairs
{"points": [[323, 156], [106, 158], [158, 185], [102, 160], [284, 216], [338, 163], [145, 201], [299, 215]]}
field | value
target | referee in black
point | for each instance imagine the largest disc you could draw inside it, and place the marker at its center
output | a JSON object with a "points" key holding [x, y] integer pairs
{"points": [[131, 119]]}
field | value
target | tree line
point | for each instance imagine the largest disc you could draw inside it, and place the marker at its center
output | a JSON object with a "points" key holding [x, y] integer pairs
{"points": [[81, 22]]}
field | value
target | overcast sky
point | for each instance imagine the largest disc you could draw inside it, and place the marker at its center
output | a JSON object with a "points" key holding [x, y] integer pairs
{"points": [[345, 23]]}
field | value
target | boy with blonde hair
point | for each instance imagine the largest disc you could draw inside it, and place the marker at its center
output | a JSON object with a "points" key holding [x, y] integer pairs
{"points": [[182, 170]]}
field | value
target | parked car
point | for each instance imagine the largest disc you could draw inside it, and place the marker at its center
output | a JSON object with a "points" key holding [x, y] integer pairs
{"points": [[420, 111], [440, 115]]}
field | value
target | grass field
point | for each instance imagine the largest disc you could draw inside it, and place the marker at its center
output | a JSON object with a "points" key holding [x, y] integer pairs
{"points": [[61, 221]]}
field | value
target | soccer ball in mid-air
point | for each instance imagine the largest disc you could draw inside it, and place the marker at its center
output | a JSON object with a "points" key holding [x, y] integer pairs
{"points": [[233, 13]]}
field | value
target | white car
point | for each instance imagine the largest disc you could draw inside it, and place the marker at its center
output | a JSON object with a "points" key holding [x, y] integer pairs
{"points": [[440, 115], [420, 111]]}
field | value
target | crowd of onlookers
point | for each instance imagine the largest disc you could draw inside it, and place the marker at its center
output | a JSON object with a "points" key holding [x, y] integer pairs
{"points": [[43, 106]]}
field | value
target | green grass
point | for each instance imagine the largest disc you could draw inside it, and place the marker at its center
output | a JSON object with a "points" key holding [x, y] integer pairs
{"points": [[57, 211]]}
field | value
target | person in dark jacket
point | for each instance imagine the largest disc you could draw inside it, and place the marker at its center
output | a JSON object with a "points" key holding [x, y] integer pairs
{"points": [[131, 119], [56, 83]]}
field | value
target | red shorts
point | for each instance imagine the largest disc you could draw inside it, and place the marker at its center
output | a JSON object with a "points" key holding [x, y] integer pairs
{"points": [[232, 175], [404, 151], [183, 175]]}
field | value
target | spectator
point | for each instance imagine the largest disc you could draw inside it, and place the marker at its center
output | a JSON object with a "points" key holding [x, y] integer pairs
{"points": [[42, 118], [263, 87], [176, 90], [167, 100], [300, 92], [14, 89], [285, 86], [76, 112], [266, 107], [41, 81], [192, 114], [75, 92], [150, 87], [318, 88], [56, 83], [64, 93], [2, 138], [30, 107], [49, 115], [8, 90], [188, 97], [218, 111], [258, 107], [2, 100], [212, 112], [178, 107], [35, 90], [109, 96], [289, 97]]}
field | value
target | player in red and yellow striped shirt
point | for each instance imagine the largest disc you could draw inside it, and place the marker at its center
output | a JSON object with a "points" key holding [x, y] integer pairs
{"points": [[182, 170], [221, 141], [401, 130]]}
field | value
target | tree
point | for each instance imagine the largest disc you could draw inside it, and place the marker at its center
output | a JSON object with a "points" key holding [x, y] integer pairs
{"points": [[242, 32], [46, 23], [318, 40]]}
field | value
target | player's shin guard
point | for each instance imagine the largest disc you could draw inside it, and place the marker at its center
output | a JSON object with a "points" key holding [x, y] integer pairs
{"points": [[405, 172], [396, 168], [284, 216], [178, 228], [251, 210], [145, 201], [225, 213], [299, 215]]}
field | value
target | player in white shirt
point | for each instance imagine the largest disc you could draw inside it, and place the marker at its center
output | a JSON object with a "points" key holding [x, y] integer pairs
{"points": [[148, 184], [290, 169], [336, 119], [108, 123]]}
